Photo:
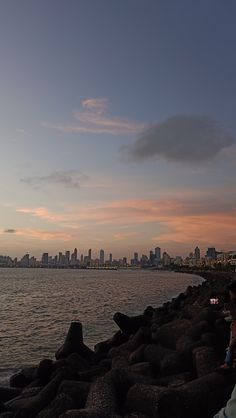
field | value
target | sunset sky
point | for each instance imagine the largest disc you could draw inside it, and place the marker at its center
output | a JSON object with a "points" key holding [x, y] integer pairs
{"points": [[117, 126]]}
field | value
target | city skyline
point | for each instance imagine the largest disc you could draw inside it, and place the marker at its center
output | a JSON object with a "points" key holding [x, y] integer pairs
{"points": [[156, 259], [117, 125], [106, 255]]}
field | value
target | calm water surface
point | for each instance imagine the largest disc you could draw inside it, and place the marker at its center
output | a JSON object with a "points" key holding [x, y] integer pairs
{"points": [[37, 306]]}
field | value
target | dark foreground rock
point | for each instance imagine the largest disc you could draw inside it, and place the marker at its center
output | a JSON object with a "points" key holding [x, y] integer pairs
{"points": [[162, 363]]}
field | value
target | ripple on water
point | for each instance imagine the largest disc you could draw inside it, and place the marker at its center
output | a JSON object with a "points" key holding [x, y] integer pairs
{"points": [[38, 305]]}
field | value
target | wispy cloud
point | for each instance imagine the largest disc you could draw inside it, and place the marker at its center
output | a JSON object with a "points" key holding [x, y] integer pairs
{"points": [[95, 105], [39, 234], [215, 229], [182, 138], [10, 231], [124, 212], [45, 235], [141, 211], [64, 220], [23, 132], [94, 118], [204, 219], [121, 236], [46, 214], [72, 179]]}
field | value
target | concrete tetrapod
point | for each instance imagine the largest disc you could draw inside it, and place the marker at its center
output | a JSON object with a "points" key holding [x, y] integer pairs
{"points": [[74, 344], [129, 324], [58, 405], [101, 401], [199, 398], [155, 401], [29, 407], [77, 391]]}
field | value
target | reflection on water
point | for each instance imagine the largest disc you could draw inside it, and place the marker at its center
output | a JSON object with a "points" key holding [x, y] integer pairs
{"points": [[37, 306]]}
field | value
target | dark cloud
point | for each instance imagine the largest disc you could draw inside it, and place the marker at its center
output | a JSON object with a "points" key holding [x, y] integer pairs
{"points": [[10, 231], [182, 138], [72, 179]]}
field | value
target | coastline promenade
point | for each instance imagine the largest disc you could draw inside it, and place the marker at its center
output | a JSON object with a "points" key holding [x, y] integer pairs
{"points": [[162, 363]]}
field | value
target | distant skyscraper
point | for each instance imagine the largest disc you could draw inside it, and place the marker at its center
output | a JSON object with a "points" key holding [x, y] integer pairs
{"points": [[150, 255], [144, 260], [197, 253], [32, 262], [211, 253], [158, 253], [60, 258], [90, 254], [110, 258], [67, 257], [45, 259], [102, 257], [124, 261], [136, 258], [25, 260], [134, 261], [166, 259], [74, 257]]}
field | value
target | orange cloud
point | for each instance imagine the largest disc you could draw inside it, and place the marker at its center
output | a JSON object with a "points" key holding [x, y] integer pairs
{"points": [[38, 234], [175, 220], [45, 214], [94, 119], [205, 229], [120, 236], [44, 235], [98, 105]]}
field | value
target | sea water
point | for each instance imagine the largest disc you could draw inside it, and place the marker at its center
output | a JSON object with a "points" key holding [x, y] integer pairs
{"points": [[37, 306]]}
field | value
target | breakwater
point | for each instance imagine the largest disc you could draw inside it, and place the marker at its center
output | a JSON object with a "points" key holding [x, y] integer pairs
{"points": [[161, 363]]}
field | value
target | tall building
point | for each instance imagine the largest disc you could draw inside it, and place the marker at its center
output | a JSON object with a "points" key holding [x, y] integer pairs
{"points": [[166, 260], [102, 257], [151, 257], [211, 253], [25, 260], [32, 262], [110, 259], [136, 257], [144, 260], [197, 253], [60, 258], [134, 261], [124, 262], [74, 256], [90, 254], [44, 259], [158, 253], [67, 258]]}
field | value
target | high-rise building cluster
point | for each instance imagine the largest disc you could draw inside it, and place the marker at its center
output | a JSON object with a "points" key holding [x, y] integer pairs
{"points": [[155, 259]]}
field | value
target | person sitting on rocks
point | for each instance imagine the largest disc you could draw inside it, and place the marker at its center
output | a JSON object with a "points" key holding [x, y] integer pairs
{"points": [[231, 350]]}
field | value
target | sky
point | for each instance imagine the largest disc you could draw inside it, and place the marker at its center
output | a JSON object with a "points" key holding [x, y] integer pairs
{"points": [[117, 126]]}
